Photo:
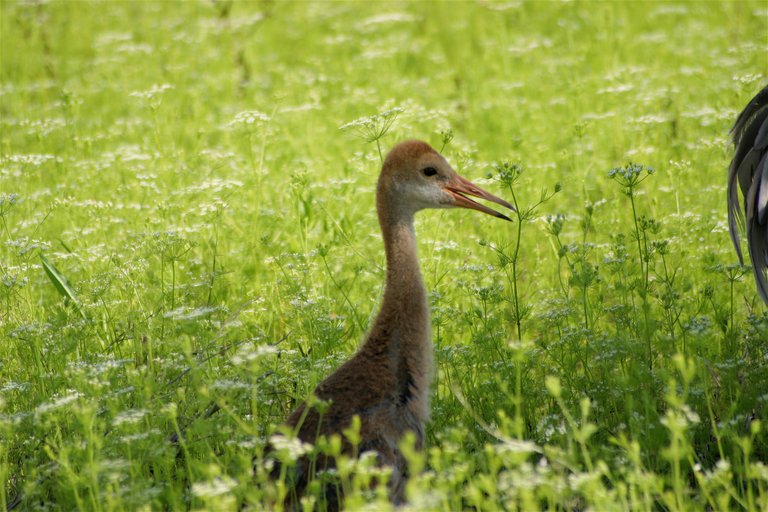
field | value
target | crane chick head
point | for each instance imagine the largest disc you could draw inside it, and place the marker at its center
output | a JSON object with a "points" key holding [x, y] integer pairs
{"points": [[415, 176]]}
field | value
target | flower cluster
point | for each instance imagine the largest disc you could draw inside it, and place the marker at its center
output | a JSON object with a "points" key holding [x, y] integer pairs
{"points": [[249, 117]]}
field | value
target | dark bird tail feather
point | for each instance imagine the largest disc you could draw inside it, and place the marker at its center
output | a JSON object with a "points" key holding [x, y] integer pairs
{"points": [[749, 169]]}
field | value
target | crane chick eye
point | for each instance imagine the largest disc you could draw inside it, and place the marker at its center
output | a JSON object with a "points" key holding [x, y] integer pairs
{"points": [[429, 171]]}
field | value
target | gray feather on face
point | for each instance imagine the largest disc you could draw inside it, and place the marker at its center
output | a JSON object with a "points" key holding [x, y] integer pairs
{"points": [[749, 168]]}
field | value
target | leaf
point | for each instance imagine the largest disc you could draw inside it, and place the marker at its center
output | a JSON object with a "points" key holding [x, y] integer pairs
{"points": [[61, 284], [65, 246]]}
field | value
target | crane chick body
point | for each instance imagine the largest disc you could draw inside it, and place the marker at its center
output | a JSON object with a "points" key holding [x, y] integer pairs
{"points": [[386, 383]]}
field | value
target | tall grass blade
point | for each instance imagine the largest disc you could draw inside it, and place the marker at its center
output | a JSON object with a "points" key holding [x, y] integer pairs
{"points": [[61, 284]]}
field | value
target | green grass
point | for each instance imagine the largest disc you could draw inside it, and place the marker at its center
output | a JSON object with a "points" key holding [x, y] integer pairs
{"points": [[184, 224]]}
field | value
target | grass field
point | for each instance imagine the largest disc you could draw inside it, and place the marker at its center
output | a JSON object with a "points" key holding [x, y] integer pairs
{"points": [[189, 245]]}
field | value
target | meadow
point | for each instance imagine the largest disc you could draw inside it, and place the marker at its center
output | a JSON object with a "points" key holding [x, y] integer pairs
{"points": [[189, 245]]}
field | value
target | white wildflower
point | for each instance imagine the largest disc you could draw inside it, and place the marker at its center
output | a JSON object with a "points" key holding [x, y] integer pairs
{"points": [[71, 396], [129, 417], [249, 117], [366, 122], [289, 448], [247, 353], [217, 487], [30, 159], [392, 17], [518, 446], [185, 313], [225, 384], [152, 92], [14, 386]]}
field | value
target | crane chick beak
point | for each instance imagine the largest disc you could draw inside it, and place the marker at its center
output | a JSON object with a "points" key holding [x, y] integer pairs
{"points": [[459, 188]]}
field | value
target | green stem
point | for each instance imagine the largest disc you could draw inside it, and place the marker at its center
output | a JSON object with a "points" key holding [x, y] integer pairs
{"points": [[637, 238], [173, 284], [358, 320], [644, 276], [162, 295], [515, 256]]}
